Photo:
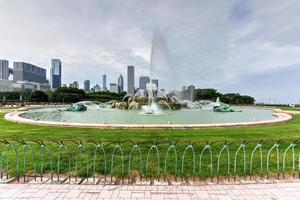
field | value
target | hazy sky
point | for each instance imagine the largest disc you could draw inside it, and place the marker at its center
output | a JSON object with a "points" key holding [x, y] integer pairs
{"points": [[251, 47]]}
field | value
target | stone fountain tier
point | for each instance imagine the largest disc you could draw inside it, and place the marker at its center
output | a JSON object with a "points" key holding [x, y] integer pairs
{"points": [[76, 107], [223, 107], [136, 102]]}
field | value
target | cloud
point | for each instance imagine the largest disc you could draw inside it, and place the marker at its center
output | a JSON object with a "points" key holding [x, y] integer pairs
{"points": [[206, 43]]}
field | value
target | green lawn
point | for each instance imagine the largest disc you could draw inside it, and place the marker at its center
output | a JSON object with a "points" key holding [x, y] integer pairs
{"points": [[289, 108], [287, 132], [9, 108]]}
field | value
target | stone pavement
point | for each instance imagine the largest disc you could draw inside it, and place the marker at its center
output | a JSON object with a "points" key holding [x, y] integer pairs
{"points": [[282, 190]]}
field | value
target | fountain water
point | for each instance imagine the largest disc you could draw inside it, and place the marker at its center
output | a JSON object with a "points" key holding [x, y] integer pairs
{"points": [[151, 107], [151, 89]]}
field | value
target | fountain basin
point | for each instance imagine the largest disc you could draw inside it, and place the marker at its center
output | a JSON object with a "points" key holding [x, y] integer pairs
{"points": [[112, 118]]}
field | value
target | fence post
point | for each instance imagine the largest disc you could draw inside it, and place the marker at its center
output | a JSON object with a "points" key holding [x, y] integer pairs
{"points": [[45, 148], [275, 146], [8, 146], [112, 160], [292, 147], [147, 162], [99, 146], [194, 159], [79, 149], [243, 147], [25, 146], [172, 147], [135, 146], [258, 146], [228, 161], [17, 159], [60, 146], [206, 147]]}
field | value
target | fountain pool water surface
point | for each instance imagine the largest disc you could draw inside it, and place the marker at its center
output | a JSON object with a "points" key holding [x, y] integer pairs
{"points": [[117, 116]]}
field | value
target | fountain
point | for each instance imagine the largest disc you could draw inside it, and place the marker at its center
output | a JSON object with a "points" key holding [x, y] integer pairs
{"points": [[76, 107], [134, 110], [150, 100], [151, 107]]}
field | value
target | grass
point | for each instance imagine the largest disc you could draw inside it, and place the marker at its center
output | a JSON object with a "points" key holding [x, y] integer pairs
{"points": [[163, 138], [10, 108], [289, 130], [288, 108], [291, 109]]}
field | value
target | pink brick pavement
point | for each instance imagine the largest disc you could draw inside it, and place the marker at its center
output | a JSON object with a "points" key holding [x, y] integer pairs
{"points": [[282, 190]]}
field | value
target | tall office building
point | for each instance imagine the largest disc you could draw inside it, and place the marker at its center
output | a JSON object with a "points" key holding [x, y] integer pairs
{"points": [[191, 89], [104, 83], [121, 83], [143, 82], [130, 80], [6, 85], [55, 73], [75, 84], [155, 82], [4, 70], [87, 85], [28, 72], [97, 88], [114, 88]]}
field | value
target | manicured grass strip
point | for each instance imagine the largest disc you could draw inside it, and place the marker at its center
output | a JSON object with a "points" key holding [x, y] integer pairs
{"points": [[268, 134]]}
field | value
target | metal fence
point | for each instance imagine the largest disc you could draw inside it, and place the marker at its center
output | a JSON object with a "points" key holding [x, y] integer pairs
{"points": [[125, 160]]}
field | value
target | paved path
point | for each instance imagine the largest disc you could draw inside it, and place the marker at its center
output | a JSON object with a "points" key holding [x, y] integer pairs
{"points": [[229, 191]]}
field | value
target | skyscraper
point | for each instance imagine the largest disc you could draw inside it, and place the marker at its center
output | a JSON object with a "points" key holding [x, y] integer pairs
{"points": [[28, 72], [87, 85], [104, 83], [130, 80], [55, 73], [191, 89], [75, 84], [114, 88], [143, 82], [155, 81], [121, 83], [97, 88], [4, 70]]}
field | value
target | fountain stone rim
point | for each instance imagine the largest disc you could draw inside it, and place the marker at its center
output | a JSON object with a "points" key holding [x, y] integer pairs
{"points": [[15, 116]]}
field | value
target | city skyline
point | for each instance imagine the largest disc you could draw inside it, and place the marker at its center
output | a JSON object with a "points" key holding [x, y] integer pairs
{"points": [[230, 48], [31, 73], [6, 71]]}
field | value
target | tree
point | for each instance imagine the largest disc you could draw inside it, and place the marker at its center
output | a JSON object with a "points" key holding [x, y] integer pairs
{"points": [[104, 96], [67, 95], [38, 96], [236, 98], [207, 94], [15, 96], [229, 98]]}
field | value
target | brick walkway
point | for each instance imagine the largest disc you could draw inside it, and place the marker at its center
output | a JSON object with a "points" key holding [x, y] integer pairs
{"points": [[212, 191]]}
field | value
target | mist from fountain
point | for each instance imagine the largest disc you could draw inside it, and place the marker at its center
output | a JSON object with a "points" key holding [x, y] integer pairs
{"points": [[163, 102], [151, 107], [150, 100], [151, 89]]}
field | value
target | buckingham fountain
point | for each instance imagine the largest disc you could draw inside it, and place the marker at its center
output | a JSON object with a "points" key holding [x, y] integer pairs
{"points": [[148, 107]]}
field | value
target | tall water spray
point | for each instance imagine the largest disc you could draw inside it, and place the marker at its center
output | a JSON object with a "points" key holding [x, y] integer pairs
{"points": [[152, 107]]}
